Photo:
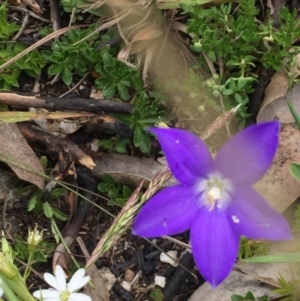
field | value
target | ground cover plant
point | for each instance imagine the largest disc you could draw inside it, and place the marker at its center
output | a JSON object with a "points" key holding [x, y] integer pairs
{"points": [[141, 141]]}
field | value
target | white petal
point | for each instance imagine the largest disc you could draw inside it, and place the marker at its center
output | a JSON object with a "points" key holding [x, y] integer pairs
{"points": [[79, 297], [1, 291], [45, 294], [51, 280], [78, 281], [61, 278]]}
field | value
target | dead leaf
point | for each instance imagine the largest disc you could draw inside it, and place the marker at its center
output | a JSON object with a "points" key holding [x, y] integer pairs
{"points": [[278, 186], [275, 90], [278, 108], [34, 6], [17, 154], [100, 292], [148, 33]]}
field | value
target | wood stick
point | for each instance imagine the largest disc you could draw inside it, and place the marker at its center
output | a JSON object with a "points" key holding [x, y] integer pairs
{"points": [[67, 104]]}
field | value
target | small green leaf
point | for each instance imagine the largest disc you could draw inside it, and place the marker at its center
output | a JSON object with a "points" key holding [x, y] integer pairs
{"points": [[32, 202], [227, 92], [295, 170], [110, 90], [123, 92], [249, 296], [60, 215], [55, 69], [47, 210], [66, 76], [212, 56], [295, 114], [293, 257], [120, 149], [101, 187], [237, 298], [112, 194], [126, 192]]}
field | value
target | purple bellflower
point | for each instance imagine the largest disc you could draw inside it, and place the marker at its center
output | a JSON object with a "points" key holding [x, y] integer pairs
{"points": [[214, 197]]}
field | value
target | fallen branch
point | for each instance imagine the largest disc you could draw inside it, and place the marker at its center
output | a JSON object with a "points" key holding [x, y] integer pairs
{"points": [[55, 145], [67, 104]]}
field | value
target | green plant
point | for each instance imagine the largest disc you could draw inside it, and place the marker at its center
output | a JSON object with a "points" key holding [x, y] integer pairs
{"points": [[116, 77], [115, 144], [290, 289], [35, 203], [67, 57], [232, 39], [249, 248], [31, 63], [157, 295], [71, 5], [35, 249], [248, 297], [119, 194], [6, 28], [146, 114]]}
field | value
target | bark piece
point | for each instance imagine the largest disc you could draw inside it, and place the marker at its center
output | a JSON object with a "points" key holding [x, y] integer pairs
{"points": [[69, 104]]}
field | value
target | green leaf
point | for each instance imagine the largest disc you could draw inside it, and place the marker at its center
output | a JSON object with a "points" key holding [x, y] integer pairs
{"points": [[66, 76], [110, 90], [276, 258], [295, 114], [40, 257], [120, 149], [238, 98], [60, 215], [212, 56], [126, 192], [112, 194], [227, 92], [123, 92], [237, 298], [55, 69], [47, 210], [249, 296], [108, 60], [295, 170], [101, 187], [32, 202]]}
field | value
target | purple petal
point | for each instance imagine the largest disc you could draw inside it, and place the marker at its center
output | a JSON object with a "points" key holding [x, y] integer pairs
{"points": [[169, 212], [248, 155], [251, 216], [188, 157], [214, 245]]}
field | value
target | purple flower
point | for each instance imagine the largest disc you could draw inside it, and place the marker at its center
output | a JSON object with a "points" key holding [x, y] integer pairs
{"points": [[214, 197]]}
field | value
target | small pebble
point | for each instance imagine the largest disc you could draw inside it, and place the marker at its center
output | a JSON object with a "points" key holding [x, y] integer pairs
{"points": [[129, 275], [166, 258], [160, 281], [126, 285]]}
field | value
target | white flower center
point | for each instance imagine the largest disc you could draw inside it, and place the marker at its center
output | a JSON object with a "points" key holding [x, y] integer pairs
{"points": [[215, 191]]}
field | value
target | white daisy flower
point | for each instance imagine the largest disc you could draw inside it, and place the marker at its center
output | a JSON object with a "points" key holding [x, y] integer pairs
{"points": [[1, 289], [63, 291]]}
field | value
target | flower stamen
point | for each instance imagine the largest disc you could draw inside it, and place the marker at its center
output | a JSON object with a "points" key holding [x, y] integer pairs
{"points": [[64, 296], [213, 195]]}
